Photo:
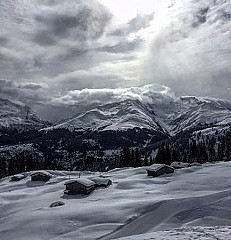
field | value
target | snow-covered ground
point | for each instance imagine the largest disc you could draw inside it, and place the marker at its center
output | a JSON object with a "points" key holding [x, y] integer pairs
{"points": [[186, 233], [192, 203]]}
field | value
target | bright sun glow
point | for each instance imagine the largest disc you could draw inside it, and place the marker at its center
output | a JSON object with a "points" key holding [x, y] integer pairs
{"points": [[124, 10]]}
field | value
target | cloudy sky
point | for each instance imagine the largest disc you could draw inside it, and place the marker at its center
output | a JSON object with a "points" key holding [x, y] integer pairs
{"points": [[60, 54]]}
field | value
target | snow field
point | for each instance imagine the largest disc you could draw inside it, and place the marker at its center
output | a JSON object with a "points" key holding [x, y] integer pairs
{"points": [[134, 204]]}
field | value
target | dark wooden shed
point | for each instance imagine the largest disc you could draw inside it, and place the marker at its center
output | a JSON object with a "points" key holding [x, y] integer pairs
{"points": [[42, 176], [79, 186], [156, 170]]}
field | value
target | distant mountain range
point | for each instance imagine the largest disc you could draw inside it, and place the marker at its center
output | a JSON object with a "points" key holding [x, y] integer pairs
{"points": [[168, 116], [97, 135], [15, 115]]}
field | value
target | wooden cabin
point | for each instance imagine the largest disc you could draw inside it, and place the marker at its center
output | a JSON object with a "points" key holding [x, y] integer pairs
{"points": [[17, 177], [156, 170], [42, 176], [79, 186], [101, 181], [179, 165]]}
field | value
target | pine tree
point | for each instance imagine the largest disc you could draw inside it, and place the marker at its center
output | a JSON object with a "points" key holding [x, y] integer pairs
{"points": [[3, 169], [11, 167], [133, 158], [137, 157], [160, 154], [192, 151], [121, 159], [145, 160]]}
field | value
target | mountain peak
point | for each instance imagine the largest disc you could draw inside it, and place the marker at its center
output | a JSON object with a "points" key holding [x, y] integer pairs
{"points": [[18, 115]]}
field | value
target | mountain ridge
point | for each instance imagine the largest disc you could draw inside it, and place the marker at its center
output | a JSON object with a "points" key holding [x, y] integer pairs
{"points": [[170, 117], [16, 115]]}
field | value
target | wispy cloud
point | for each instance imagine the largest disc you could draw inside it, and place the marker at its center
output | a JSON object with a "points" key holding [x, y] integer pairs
{"points": [[192, 54]]}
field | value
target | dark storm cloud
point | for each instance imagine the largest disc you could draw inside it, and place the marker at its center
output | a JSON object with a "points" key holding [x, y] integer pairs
{"points": [[201, 17], [226, 14], [26, 92], [134, 25], [43, 39], [84, 24], [11, 85], [3, 41], [73, 53]]}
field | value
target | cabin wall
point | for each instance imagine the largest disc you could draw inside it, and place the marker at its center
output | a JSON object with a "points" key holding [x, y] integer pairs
{"points": [[152, 173], [163, 170], [40, 178], [15, 179], [79, 188]]}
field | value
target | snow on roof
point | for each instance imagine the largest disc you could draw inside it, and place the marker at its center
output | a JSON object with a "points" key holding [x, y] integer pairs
{"points": [[84, 181], [43, 172], [180, 164], [19, 176], [101, 180], [195, 164], [156, 167]]}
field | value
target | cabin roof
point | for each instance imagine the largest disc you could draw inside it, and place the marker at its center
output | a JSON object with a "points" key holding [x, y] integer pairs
{"points": [[42, 172], [180, 164], [156, 167], [101, 180], [84, 181], [19, 176]]}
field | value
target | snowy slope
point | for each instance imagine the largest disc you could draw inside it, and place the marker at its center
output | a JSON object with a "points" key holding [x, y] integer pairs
{"points": [[18, 115], [195, 111], [191, 202], [169, 115]]}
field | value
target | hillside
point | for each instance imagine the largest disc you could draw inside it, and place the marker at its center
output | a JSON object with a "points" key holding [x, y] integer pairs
{"points": [[188, 204]]}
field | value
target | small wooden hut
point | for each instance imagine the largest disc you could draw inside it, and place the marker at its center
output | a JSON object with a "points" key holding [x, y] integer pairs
{"points": [[42, 176], [156, 170], [79, 186], [17, 177]]}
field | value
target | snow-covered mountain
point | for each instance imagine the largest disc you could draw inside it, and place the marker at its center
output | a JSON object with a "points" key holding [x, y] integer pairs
{"points": [[122, 115], [19, 116], [167, 115]]}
